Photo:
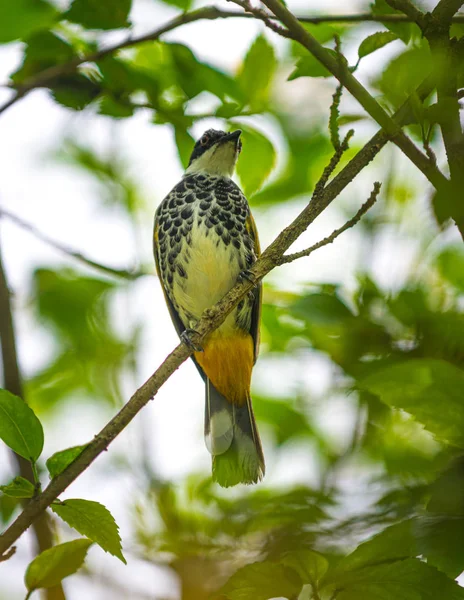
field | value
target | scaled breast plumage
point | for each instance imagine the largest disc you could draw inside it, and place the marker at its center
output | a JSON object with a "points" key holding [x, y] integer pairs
{"points": [[203, 242]]}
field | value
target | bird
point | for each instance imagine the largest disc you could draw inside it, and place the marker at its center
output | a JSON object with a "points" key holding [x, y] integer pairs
{"points": [[204, 241]]}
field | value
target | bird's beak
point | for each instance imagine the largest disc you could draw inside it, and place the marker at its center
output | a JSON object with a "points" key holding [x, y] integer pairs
{"points": [[231, 137]]}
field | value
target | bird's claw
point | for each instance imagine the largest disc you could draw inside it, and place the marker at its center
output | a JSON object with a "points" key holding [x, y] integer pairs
{"points": [[185, 336], [246, 275]]}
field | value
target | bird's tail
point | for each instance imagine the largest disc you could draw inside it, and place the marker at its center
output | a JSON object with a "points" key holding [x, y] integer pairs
{"points": [[232, 438]]}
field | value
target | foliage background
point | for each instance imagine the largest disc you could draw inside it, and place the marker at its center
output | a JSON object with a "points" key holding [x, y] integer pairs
{"points": [[344, 462]]}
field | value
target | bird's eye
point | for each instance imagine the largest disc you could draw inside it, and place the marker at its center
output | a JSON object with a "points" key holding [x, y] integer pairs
{"points": [[204, 140]]}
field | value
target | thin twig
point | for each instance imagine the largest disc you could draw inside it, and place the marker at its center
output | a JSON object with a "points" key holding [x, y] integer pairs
{"points": [[125, 274], [334, 128], [330, 168], [288, 258], [8, 554], [207, 324], [259, 13]]}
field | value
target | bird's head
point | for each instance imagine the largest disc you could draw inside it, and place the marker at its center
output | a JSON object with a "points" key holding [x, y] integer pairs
{"points": [[216, 153]]}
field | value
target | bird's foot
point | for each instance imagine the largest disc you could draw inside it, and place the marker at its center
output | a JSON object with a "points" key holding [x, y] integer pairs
{"points": [[186, 337], [246, 275]]}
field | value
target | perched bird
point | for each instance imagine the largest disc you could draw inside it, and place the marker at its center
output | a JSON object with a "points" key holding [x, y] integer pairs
{"points": [[205, 239]]}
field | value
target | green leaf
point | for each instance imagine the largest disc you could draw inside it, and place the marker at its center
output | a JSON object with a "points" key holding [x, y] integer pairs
{"points": [[309, 66], [20, 429], [450, 263], [261, 581], [375, 41], [93, 520], [21, 18], [43, 50], [409, 579], [257, 161], [257, 72], [184, 143], [75, 91], [286, 422], [95, 14], [311, 566], [18, 488], [182, 4], [419, 387], [393, 543], [439, 539], [58, 462], [53, 565], [404, 73]]}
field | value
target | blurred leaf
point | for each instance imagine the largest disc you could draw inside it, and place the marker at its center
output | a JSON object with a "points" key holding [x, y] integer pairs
{"points": [[89, 358], [311, 566], [228, 110], [75, 91], [404, 73], [261, 581], [118, 188], [286, 422], [323, 32], [375, 42], [309, 152], [257, 161], [323, 309], [18, 488], [93, 520], [257, 72], [53, 565], [95, 14], [8, 505], [185, 144], [309, 66], [440, 541], [58, 462], [446, 493], [409, 579], [206, 77], [419, 387], [21, 18], [113, 108], [450, 263], [20, 429], [43, 50], [393, 543]]}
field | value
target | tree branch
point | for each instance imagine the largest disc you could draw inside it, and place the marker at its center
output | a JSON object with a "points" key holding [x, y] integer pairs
{"points": [[288, 258], [446, 58], [409, 9], [342, 73], [446, 9], [13, 383], [208, 323], [123, 273]]}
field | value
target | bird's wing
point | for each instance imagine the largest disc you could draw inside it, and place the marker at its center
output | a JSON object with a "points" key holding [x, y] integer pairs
{"points": [[176, 320], [258, 291]]}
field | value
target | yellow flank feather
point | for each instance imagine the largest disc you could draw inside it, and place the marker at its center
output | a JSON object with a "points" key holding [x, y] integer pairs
{"points": [[228, 362]]}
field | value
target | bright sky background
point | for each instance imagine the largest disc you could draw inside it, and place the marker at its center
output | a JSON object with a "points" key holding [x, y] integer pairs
{"points": [[64, 205]]}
